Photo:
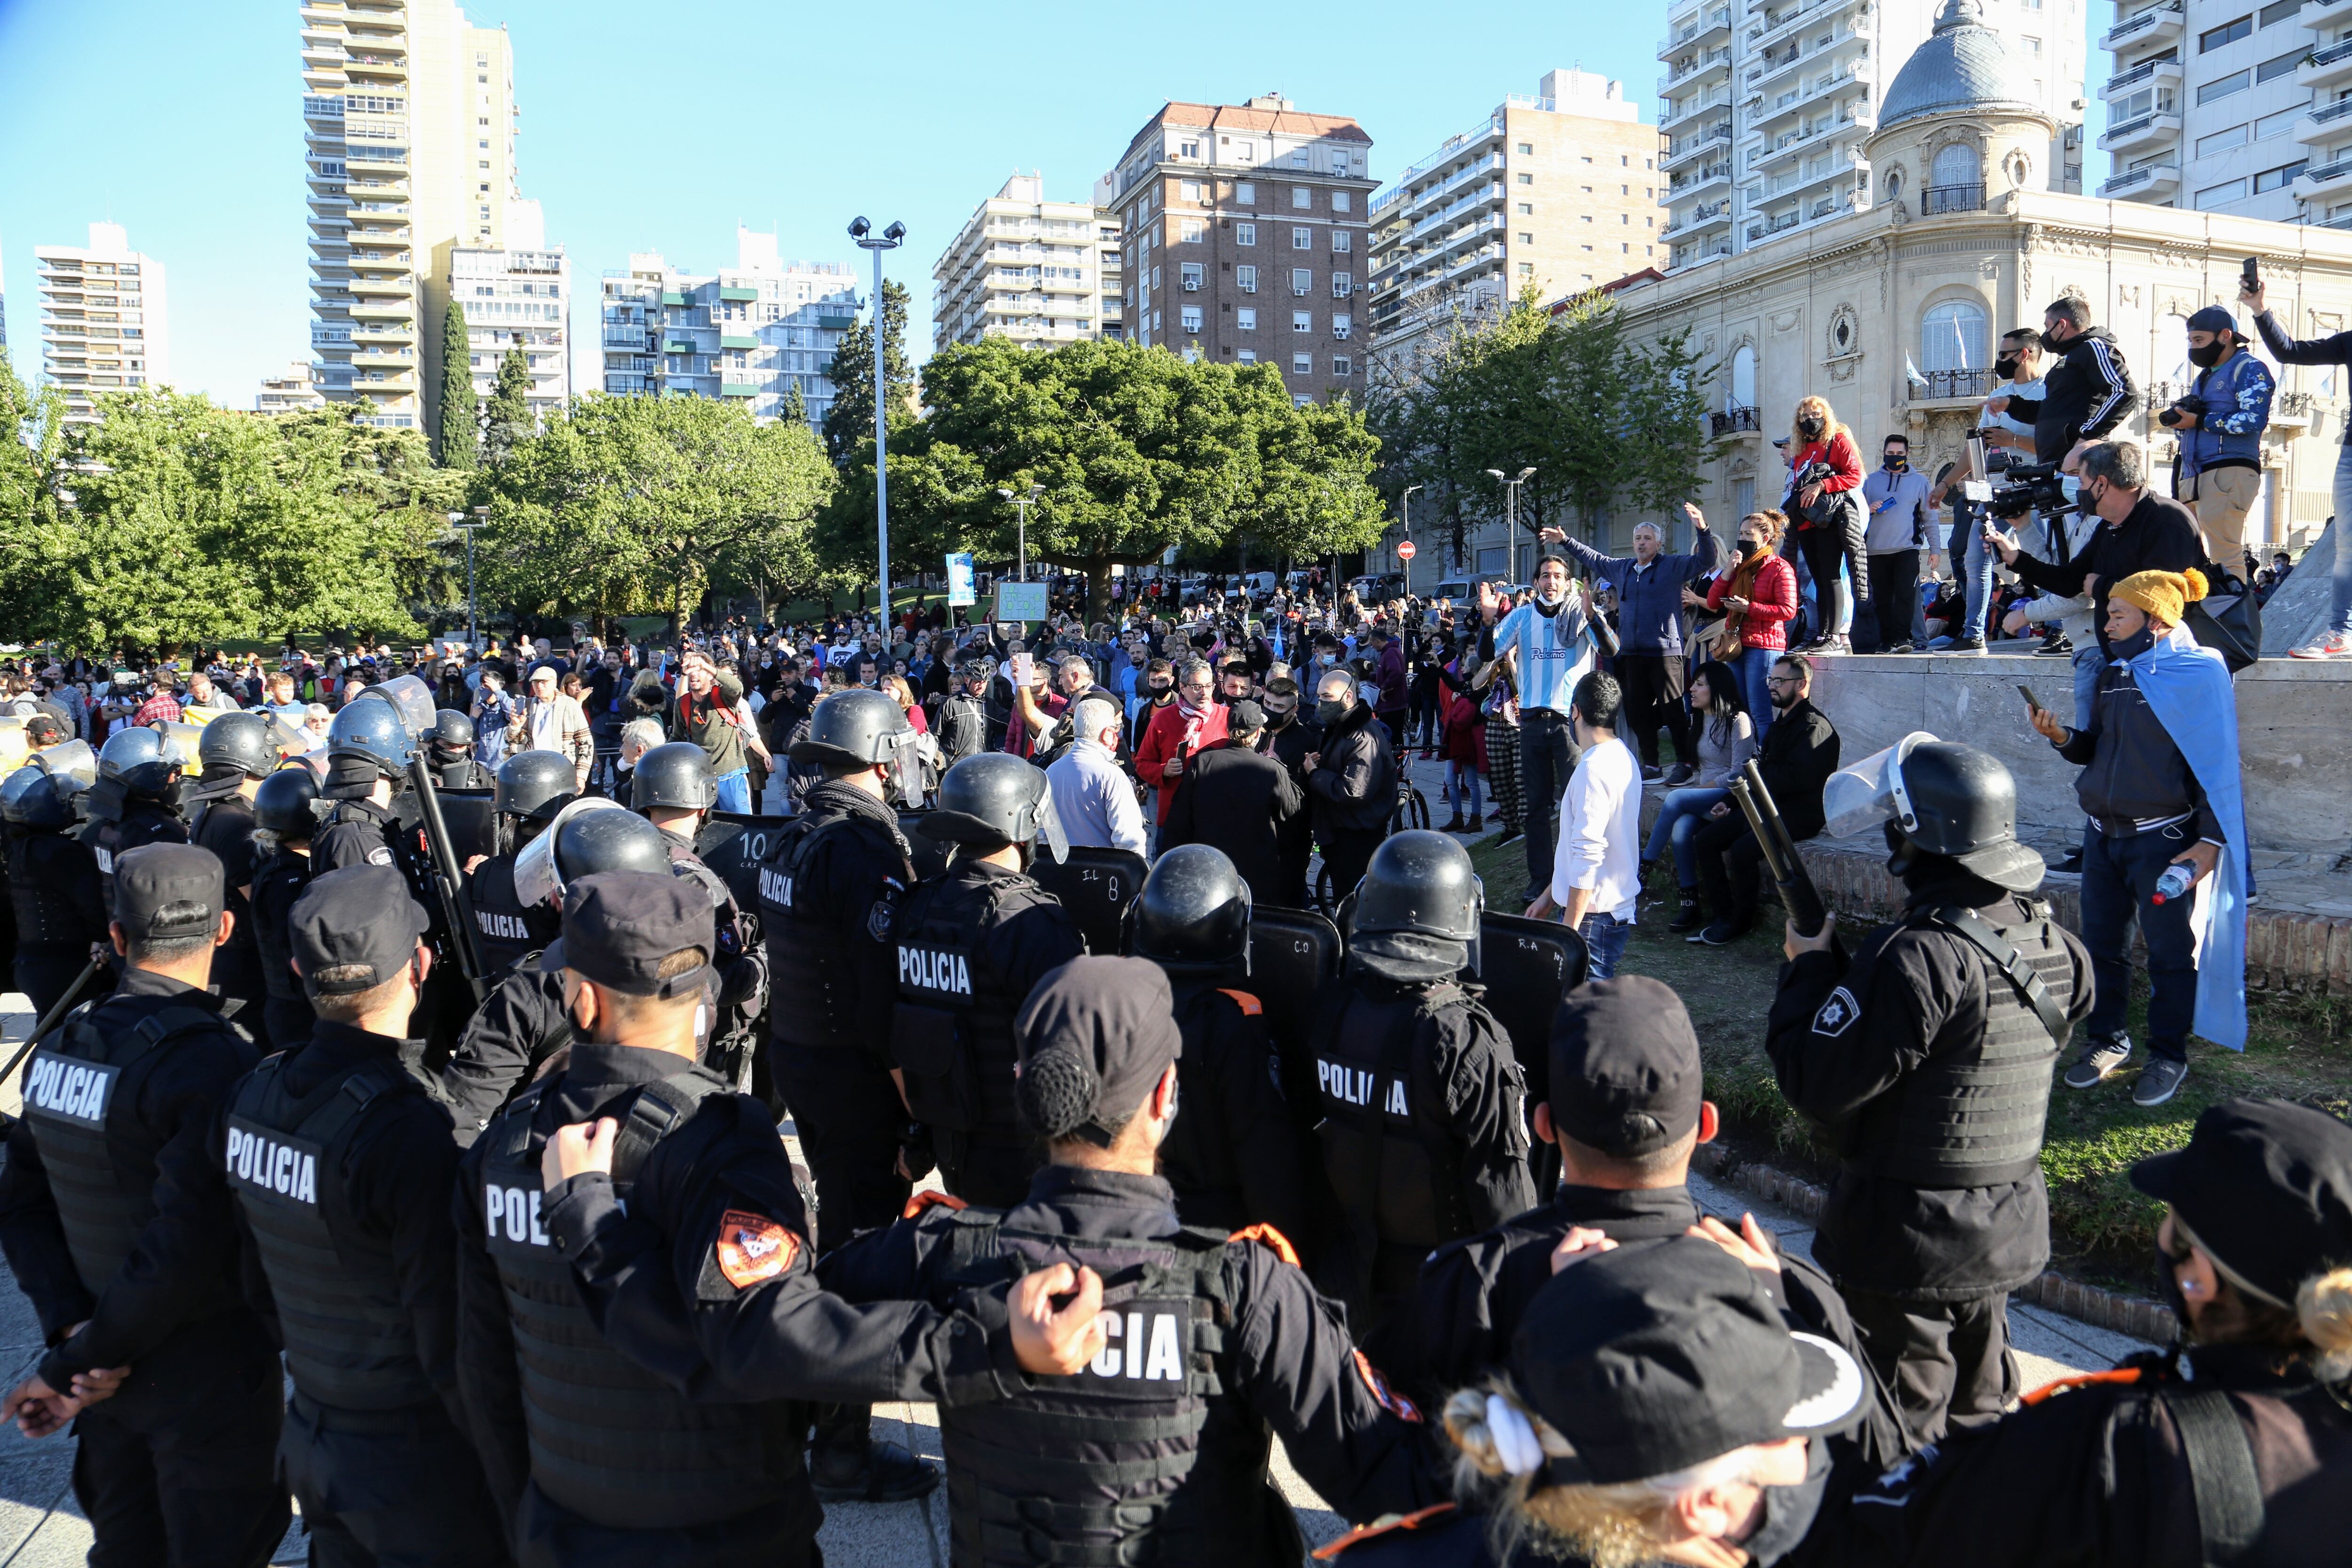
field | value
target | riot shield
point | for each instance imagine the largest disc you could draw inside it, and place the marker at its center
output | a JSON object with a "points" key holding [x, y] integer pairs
{"points": [[1527, 967], [1096, 886], [931, 854], [1292, 953], [472, 819], [734, 845]]}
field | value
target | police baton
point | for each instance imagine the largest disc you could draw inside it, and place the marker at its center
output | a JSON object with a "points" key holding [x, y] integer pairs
{"points": [[448, 877], [1798, 894], [51, 1019]]}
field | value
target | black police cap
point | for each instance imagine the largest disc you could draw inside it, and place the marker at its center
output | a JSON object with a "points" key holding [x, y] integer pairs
{"points": [[1095, 1035], [1625, 1074], [2266, 1186], [163, 891], [620, 927], [354, 930]]}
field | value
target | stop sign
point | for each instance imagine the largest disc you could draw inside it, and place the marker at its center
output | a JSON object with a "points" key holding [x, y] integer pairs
{"points": [[1404, 550]]}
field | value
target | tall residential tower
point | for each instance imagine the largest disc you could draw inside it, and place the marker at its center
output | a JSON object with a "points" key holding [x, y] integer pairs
{"points": [[105, 323], [1024, 268]]}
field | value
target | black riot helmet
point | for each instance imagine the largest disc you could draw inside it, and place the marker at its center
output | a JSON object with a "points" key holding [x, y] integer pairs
{"points": [[44, 795], [855, 728], [676, 775], [534, 785], [371, 730], [452, 730], [596, 841], [1963, 804], [240, 741], [13, 790], [1415, 914], [282, 804], [1192, 915], [143, 763], [992, 800]]}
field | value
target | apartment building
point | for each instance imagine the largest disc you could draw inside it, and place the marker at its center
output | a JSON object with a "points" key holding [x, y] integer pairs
{"points": [[105, 319], [289, 393], [409, 113], [1244, 238], [513, 296], [1037, 271], [1766, 105], [757, 332], [2233, 106], [1559, 190]]}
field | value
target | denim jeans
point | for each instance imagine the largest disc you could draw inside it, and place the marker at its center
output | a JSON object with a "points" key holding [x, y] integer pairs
{"points": [[734, 792], [1973, 563], [1546, 756], [2118, 878], [1679, 819], [1752, 666], [1604, 944], [2089, 659], [1461, 781]]}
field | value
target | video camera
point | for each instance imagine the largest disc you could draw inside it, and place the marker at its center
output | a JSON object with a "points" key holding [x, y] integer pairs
{"points": [[2024, 488]]}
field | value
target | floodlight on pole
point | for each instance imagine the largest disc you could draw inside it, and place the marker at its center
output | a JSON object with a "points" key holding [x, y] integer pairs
{"points": [[889, 239]]}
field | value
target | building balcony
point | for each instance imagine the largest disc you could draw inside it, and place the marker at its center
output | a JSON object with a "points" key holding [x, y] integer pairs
{"points": [[1697, 69], [2321, 14], [1685, 116], [1452, 209], [2152, 26], [376, 160], [2325, 124], [383, 333], [1792, 146], [1418, 204], [1709, 27], [1698, 180], [2147, 73], [1938, 200], [1705, 218], [381, 358], [2322, 182], [1727, 423], [399, 288], [2291, 408], [2327, 67], [381, 309], [1683, 154], [322, 106], [2143, 185], [1954, 387], [2146, 132]]}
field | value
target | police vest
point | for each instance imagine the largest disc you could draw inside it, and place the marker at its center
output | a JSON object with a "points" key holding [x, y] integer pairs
{"points": [[1973, 1117], [348, 1342], [610, 1441], [504, 930], [276, 885], [1197, 1158], [952, 1029], [1142, 1458], [41, 865], [1393, 1162], [225, 826], [81, 1096], [142, 822], [808, 942]]}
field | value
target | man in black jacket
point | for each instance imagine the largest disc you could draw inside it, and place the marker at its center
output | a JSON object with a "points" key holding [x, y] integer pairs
{"points": [[1799, 754], [2087, 391], [2144, 532], [1290, 738], [1236, 799], [1353, 779]]}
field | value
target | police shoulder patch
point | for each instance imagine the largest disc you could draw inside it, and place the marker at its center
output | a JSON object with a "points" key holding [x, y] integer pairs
{"points": [[885, 913], [1838, 1014], [753, 1248], [1388, 1399], [380, 856]]}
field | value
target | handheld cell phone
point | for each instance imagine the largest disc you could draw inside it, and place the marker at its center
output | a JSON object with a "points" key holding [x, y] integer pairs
{"points": [[1020, 669], [2030, 700], [2252, 278]]}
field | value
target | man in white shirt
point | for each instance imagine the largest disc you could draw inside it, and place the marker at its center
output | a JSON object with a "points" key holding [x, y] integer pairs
{"points": [[1092, 795], [1596, 878]]}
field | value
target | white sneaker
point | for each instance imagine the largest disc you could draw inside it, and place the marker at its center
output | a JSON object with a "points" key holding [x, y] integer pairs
{"points": [[2334, 644]]}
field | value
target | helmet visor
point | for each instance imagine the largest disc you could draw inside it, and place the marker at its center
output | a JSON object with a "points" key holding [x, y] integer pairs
{"points": [[1871, 791], [1050, 831], [181, 741], [287, 739], [536, 878], [413, 699], [73, 762]]}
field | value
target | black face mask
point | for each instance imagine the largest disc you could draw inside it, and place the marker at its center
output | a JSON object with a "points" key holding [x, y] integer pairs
{"points": [[1811, 429], [1749, 547], [1895, 462], [2139, 643], [1790, 1511], [2006, 366], [1280, 718], [2209, 356], [1158, 688], [1329, 713]]}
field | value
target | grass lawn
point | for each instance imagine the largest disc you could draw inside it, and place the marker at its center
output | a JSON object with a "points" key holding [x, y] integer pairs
{"points": [[2100, 1227]]}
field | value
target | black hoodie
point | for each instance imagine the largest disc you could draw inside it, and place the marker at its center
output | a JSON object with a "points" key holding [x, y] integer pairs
{"points": [[2086, 394]]}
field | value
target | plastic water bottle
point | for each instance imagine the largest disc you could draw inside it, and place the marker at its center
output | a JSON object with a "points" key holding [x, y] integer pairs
{"points": [[2173, 883]]}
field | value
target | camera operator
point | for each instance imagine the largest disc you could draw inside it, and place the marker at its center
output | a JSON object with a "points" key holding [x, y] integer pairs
{"points": [[2007, 423], [2219, 421], [2088, 393]]}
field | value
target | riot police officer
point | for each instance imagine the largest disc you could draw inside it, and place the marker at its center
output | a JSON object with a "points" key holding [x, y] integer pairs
{"points": [[672, 787], [1232, 1158], [972, 943], [1424, 1115], [1926, 1060], [53, 885], [234, 754], [598, 1459], [283, 821], [135, 800], [523, 1020], [340, 1165], [449, 748], [180, 1464], [368, 748], [531, 787]]}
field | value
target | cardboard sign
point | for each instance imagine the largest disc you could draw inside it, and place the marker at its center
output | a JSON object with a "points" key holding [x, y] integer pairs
{"points": [[1020, 601]]}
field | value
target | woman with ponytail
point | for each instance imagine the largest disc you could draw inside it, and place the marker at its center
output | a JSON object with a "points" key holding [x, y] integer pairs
{"points": [[1758, 596]]}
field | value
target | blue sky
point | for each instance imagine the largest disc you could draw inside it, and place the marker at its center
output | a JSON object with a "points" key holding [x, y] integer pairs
{"points": [[660, 127]]}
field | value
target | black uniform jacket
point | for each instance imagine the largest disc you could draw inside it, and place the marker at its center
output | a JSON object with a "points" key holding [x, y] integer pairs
{"points": [[1916, 992], [1233, 1157], [2133, 769], [175, 1302], [2159, 534], [1354, 782], [1234, 800], [2095, 1477], [1295, 1365], [523, 1022]]}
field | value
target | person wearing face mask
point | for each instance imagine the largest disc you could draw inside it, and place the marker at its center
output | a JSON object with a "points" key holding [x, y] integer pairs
{"points": [[2219, 422], [2233, 1447], [2008, 418], [1758, 598], [1291, 737], [1826, 515], [1897, 533], [1351, 777], [1926, 1060], [2087, 391], [2160, 786], [1193, 720], [1548, 646]]}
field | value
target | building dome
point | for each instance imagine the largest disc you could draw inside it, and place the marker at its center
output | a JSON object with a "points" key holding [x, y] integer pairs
{"points": [[1964, 68]]}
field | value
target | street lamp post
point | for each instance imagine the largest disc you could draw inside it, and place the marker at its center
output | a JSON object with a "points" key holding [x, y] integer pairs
{"points": [[1511, 505], [1022, 504], [1404, 504], [457, 521], [888, 239]]}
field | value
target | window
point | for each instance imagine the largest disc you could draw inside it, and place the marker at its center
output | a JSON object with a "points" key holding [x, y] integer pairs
{"points": [[1342, 366], [1301, 280], [2279, 124], [1191, 318], [2222, 87], [1188, 149], [1302, 321], [2221, 195], [1189, 275], [1248, 357], [1342, 241], [1245, 192], [1302, 364], [1952, 337], [1342, 324], [1527, 239], [1155, 278], [2272, 179], [1193, 231], [1302, 239], [1245, 319], [2226, 34], [1526, 209], [1527, 179], [2209, 145], [1527, 148], [1245, 279], [1342, 285], [1190, 190], [1244, 234], [1298, 157], [2277, 12], [2033, 45], [1956, 165], [1302, 196], [1528, 269], [2280, 65]]}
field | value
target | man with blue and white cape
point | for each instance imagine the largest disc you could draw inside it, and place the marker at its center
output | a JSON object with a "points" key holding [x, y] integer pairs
{"points": [[2159, 784]]}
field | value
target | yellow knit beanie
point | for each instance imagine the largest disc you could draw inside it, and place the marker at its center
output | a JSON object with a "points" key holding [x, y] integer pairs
{"points": [[2161, 595]]}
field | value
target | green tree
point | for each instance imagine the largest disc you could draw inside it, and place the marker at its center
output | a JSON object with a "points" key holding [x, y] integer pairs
{"points": [[460, 438], [849, 423], [1668, 437], [795, 409], [508, 422]]}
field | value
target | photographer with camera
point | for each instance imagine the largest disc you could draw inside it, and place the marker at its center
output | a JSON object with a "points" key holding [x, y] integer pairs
{"points": [[2219, 421], [2088, 393], [1824, 508], [2006, 425]]}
